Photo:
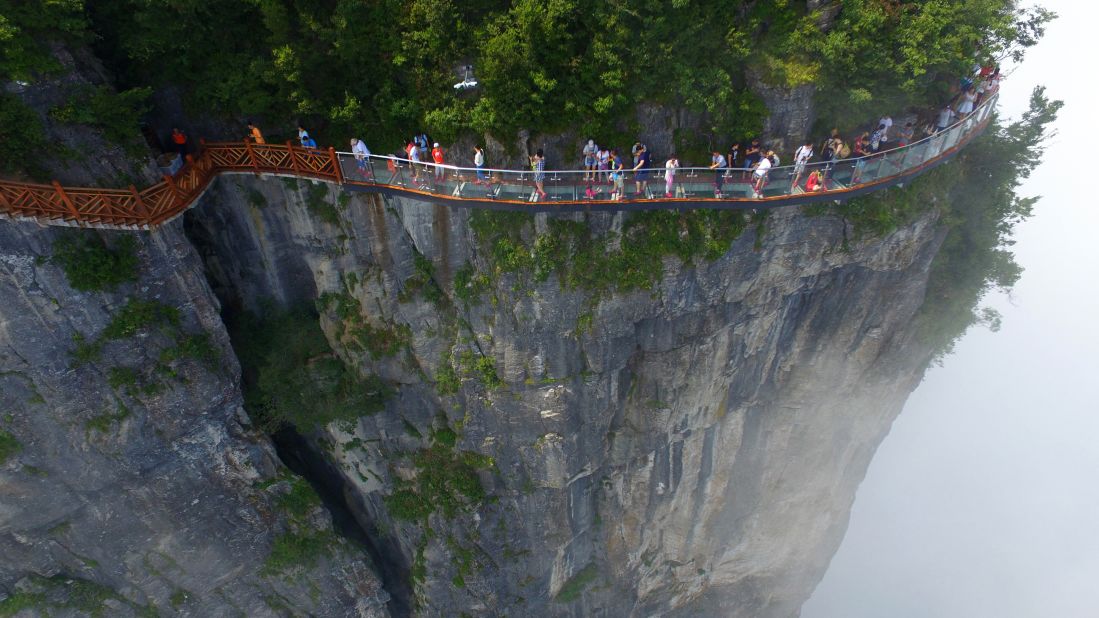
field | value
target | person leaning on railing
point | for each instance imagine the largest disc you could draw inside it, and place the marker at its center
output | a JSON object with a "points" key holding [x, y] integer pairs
{"points": [[361, 153]]}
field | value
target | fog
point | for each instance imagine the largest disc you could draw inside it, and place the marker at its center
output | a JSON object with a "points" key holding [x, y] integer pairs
{"points": [[984, 498]]}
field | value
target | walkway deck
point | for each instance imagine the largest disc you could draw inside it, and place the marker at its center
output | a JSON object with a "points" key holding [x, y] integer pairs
{"points": [[134, 209]]}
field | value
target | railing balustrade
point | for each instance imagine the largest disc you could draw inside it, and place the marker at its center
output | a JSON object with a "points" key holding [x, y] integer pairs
{"points": [[486, 187]]}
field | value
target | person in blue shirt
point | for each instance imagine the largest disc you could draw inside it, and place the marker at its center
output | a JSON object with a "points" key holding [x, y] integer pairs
{"points": [[641, 169]]}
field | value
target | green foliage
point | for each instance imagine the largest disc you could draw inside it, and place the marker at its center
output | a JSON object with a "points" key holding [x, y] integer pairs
{"points": [[293, 551], [121, 377], [26, 29], [446, 480], [379, 341], [103, 422], [583, 261], [469, 285], [576, 584], [447, 381], [318, 204], [299, 500], [117, 114], [61, 592], [22, 137], [91, 265], [982, 211], [292, 377], [137, 315], [9, 446], [197, 347], [422, 280]]}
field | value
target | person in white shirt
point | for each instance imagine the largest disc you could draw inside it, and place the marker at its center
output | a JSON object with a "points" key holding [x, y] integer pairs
{"points": [[760, 174], [361, 152], [717, 162], [946, 114], [801, 157], [887, 122], [669, 175]]}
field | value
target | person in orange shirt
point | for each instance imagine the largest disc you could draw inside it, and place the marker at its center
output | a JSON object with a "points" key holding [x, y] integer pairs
{"points": [[179, 140], [254, 133], [437, 156]]}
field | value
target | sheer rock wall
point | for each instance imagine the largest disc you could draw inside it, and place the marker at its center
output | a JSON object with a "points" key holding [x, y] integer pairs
{"points": [[157, 491], [690, 450]]}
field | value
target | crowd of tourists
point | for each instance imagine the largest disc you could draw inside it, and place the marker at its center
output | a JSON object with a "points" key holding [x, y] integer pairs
{"points": [[748, 163]]}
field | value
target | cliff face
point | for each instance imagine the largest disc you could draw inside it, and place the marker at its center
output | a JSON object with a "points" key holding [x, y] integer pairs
{"points": [[131, 480], [689, 450]]}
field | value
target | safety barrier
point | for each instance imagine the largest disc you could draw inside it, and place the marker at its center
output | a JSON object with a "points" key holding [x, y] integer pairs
{"points": [[565, 190]]}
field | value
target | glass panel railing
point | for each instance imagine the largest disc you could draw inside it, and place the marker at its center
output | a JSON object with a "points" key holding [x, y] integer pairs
{"points": [[578, 186]]}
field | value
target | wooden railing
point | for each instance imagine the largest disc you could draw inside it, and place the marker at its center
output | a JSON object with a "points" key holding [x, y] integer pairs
{"points": [[147, 208]]}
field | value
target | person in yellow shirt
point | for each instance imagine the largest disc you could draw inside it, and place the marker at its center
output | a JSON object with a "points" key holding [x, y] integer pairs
{"points": [[254, 133]]}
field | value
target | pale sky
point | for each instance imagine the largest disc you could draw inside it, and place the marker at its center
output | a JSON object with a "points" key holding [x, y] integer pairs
{"points": [[984, 498]]}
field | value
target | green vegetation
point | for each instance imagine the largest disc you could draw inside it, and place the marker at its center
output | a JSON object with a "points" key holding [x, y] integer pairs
{"points": [[291, 375], [302, 545], [447, 381], [976, 197], [446, 480], [9, 446], [469, 285], [342, 65], [318, 204], [577, 584], [582, 261], [356, 334], [422, 280], [103, 422], [117, 114], [91, 266], [22, 137], [50, 594]]}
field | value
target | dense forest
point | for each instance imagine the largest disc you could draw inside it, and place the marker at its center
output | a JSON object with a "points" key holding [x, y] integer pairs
{"points": [[385, 68]]}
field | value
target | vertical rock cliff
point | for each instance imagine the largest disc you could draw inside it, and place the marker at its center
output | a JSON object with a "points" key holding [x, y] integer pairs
{"points": [[130, 480], [690, 449]]}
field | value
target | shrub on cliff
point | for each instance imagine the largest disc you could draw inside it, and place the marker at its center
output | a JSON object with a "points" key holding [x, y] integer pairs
{"points": [[91, 265]]}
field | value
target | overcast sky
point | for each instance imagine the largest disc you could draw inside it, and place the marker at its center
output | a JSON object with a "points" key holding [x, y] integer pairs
{"points": [[984, 498]]}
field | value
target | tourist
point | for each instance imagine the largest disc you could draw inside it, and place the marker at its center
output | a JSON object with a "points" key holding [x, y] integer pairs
{"points": [[946, 115], [414, 159], [876, 138], [669, 175], [361, 153], [635, 151], [617, 174], [717, 162], [303, 135], [752, 154], [538, 164], [907, 133], [773, 157], [887, 122], [641, 171], [801, 157], [862, 150], [479, 163], [733, 160], [968, 101], [815, 182], [760, 175], [604, 163], [254, 134], [179, 142], [437, 156], [591, 159]]}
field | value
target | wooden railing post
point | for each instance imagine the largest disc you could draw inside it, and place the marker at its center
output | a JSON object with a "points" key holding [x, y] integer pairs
{"points": [[175, 189], [139, 203], [252, 157], [293, 160], [336, 164], [65, 200]]}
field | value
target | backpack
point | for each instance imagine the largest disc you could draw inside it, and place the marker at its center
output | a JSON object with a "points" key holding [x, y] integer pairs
{"points": [[845, 151]]}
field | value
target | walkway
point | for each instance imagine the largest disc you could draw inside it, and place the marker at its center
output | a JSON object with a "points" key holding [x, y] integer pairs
{"points": [[52, 204]]}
